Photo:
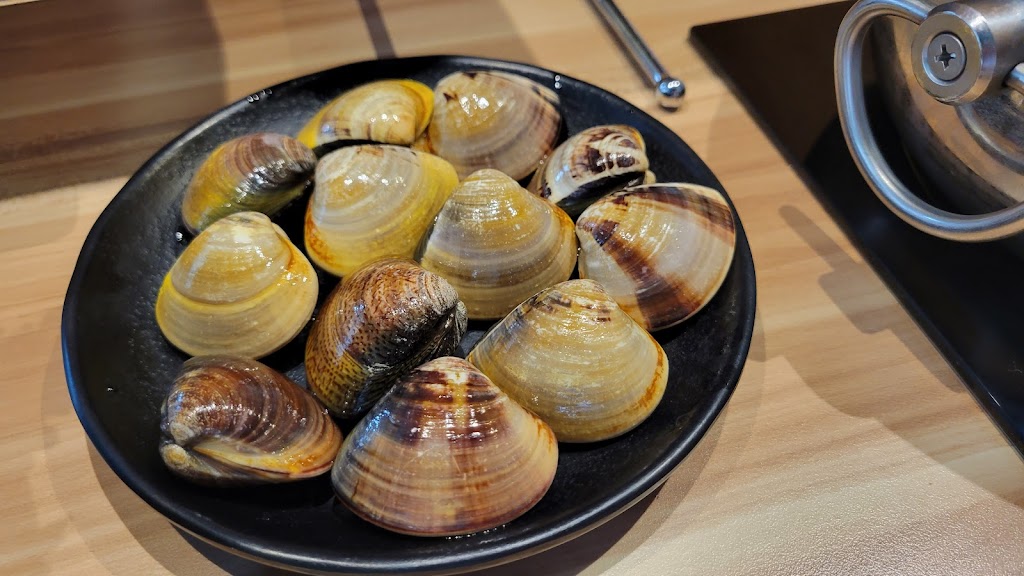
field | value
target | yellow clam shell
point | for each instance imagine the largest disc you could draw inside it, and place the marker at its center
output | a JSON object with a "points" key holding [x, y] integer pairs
{"points": [[445, 452], [573, 357], [660, 250], [373, 201], [240, 288], [498, 244], [386, 111], [260, 172], [492, 120]]}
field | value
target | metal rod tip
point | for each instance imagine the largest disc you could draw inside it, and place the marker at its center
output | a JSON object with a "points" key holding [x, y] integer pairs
{"points": [[669, 93]]}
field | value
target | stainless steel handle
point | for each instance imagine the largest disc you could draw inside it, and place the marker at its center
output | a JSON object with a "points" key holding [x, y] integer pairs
{"points": [[864, 147], [667, 90]]}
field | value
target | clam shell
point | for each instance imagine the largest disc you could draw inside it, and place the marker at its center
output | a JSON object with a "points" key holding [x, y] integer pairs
{"points": [[239, 288], [445, 452], [373, 201], [231, 420], [660, 250], [386, 111], [492, 120], [260, 172], [575, 359], [498, 244], [590, 164], [379, 323]]}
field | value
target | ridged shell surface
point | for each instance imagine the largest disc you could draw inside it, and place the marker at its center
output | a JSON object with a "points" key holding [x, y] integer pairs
{"points": [[498, 244], [239, 288], [492, 120], [231, 420], [575, 359], [590, 164], [260, 172], [373, 201], [661, 250], [379, 323], [385, 111], [445, 452]]}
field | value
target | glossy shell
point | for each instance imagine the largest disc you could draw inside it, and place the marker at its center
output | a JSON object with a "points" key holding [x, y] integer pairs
{"points": [[386, 111], [498, 244], [373, 201], [492, 120], [590, 164], [231, 420], [576, 360], [378, 324], [445, 452], [260, 172], [661, 250], [240, 288]]}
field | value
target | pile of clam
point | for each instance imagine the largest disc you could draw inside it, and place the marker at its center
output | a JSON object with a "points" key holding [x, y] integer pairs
{"points": [[417, 206]]}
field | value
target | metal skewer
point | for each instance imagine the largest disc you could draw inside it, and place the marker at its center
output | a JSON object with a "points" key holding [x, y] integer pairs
{"points": [[668, 90]]}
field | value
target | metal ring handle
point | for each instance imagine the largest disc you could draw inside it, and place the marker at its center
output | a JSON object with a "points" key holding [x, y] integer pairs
{"points": [[862, 144]]}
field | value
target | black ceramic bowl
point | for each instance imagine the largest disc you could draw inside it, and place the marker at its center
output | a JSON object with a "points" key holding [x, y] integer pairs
{"points": [[119, 367]]}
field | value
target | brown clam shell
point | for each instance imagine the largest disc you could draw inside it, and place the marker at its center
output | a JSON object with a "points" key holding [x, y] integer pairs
{"points": [[262, 172], [232, 420], [660, 250], [445, 452], [377, 324]]}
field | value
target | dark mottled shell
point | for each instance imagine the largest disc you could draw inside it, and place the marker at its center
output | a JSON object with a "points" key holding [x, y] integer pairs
{"points": [[445, 452], [492, 120], [590, 164], [231, 420], [498, 244], [575, 359], [259, 172], [380, 322], [660, 250]]}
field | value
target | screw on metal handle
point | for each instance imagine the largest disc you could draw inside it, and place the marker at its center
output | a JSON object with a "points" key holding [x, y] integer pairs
{"points": [[854, 119], [667, 90]]}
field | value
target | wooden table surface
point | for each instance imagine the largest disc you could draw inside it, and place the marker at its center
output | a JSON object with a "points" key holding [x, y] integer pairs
{"points": [[849, 447]]}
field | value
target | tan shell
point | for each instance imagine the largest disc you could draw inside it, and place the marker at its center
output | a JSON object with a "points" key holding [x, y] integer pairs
{"points": [[386, 111], [498, 244], [260, 172], [445, 452], [590, 164], [661, 250], [492, 120], [380, 322], [231, 420], [239, 288], [373, 201], [575, 359]]}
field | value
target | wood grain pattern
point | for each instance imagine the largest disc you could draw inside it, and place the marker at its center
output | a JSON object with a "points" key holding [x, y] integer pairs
{"points": [[849, 446]]}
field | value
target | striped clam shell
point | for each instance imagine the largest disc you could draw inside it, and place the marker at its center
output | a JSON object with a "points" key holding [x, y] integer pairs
{"points": [[240, 288], [498, 244], [377, 324], [373, 201], [660, 250], [590, 164], [261, 172], [231, 420], [445, 452], [385, 111], [492, 120], [575, 359]]}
